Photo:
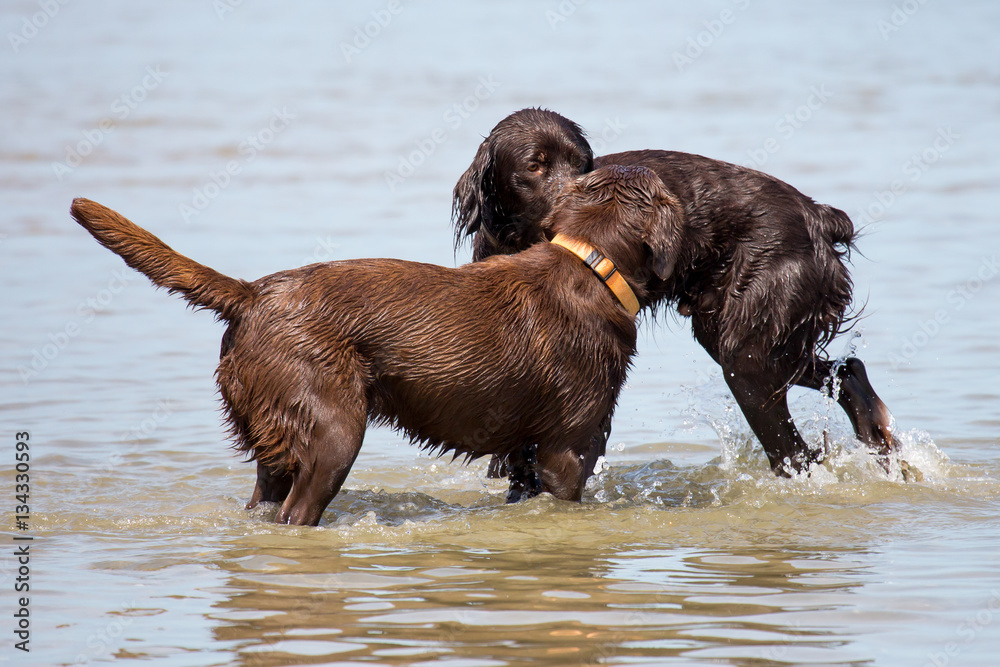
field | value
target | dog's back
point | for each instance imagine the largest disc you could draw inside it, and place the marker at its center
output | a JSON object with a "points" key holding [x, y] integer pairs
{"points": [[473, 360], [762, 265]]}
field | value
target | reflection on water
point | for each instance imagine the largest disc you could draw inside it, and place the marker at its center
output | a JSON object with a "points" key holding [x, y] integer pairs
{"points": [[700, 562], [686, 550], [578, 607]]}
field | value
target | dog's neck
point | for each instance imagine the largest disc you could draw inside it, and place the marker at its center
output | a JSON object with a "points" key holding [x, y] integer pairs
{"points": [[603, 267]]}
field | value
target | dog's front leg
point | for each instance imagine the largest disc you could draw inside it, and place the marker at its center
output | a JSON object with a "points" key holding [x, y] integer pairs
{"points": [[522, 465], [563, 470], [497, 468], [599, 444]]}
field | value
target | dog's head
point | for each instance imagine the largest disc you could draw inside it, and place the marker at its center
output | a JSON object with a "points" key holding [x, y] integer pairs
{"points": [[515, 177], [629, 215]]}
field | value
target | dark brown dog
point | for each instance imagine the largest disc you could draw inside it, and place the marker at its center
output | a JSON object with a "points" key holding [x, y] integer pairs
{"points": [[496, 357], [758, 266]]}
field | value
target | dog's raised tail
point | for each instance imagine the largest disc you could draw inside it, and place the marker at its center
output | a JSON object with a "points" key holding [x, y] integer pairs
{"points": [[198, 284]]}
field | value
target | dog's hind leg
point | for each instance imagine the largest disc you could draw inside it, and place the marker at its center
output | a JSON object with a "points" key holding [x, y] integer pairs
{"points": [[761, 390], [869, 416], [327, 452], [272, 486], [764, 402], [331, 452]]}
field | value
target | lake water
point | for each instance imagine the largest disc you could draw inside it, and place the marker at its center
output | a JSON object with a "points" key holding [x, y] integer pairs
{"points": [[261, 136]]}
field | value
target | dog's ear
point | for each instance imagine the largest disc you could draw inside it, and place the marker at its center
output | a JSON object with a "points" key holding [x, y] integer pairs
{"points": [[664, 235], [474, 200]]}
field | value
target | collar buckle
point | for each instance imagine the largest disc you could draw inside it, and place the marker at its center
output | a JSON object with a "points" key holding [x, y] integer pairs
{"points": [[604, 268]]}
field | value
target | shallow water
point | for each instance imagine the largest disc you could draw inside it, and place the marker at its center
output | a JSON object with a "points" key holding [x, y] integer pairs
{"points": [[686, 549]]}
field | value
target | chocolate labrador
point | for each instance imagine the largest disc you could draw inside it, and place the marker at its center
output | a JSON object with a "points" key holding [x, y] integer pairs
{"points": [[520, 356]]}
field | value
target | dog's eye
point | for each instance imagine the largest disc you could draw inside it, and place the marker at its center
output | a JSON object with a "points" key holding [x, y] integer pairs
{"points": [[534, 166]]}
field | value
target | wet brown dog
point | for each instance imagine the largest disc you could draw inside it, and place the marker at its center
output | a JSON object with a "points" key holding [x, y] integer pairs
{"points": [[519, 356], [759, 268]]}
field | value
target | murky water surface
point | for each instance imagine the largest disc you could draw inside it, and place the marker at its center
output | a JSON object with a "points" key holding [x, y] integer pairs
{"points": [[260, 136]]}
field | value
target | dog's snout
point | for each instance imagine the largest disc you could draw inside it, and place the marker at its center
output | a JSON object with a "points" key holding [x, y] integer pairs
{"points": [[563, 175]]}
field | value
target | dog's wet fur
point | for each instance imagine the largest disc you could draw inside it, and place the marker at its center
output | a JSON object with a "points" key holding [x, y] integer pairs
{"points": [[520, 356], [759, 267]]}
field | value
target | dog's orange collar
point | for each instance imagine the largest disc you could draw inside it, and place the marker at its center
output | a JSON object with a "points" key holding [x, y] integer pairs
{"points": [[604, 268]]}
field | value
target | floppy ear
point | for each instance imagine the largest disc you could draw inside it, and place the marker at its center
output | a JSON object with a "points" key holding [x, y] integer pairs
{"points": [[473, 204], [664, 234]]}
